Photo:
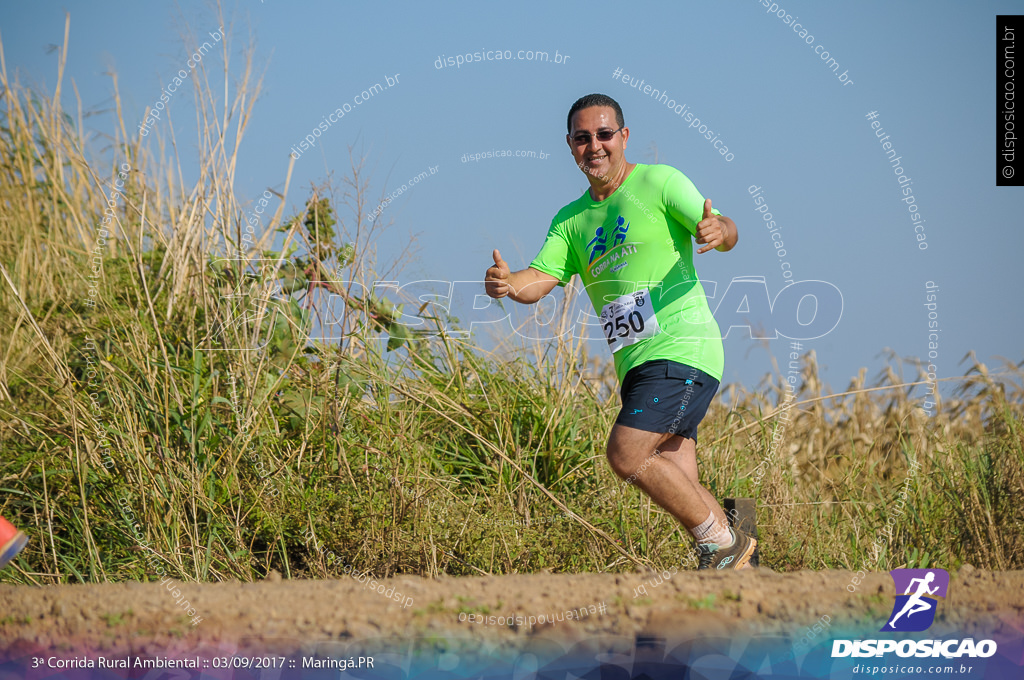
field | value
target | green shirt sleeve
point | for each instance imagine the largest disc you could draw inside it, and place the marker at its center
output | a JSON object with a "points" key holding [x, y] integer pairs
{"points": [[556, 257], [683, 202]]}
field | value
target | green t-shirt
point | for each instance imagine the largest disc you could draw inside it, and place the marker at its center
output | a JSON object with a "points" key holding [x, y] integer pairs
{"points": [[634, 252]]}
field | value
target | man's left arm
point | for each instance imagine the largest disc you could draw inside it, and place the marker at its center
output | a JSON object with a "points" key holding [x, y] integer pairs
{"points": [[715, 231]]}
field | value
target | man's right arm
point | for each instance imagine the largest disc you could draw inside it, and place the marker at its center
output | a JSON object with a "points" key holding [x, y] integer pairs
{"points": [[526, 285], [530, 285]]}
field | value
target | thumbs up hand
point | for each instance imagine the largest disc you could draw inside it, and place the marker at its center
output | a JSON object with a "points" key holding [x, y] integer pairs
{"points": [[496, 278], [711, 230]]}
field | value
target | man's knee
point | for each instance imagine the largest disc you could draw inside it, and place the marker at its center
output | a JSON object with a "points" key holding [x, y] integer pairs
{"points": [[630, 455], [622, 460], [627, 453]]}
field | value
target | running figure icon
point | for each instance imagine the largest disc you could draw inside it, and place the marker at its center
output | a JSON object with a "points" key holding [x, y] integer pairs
{"points": [[916, 604], [917, 593]]}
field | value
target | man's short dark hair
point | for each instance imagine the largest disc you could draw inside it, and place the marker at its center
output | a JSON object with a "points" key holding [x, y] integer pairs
{"points": [[595, 100]]}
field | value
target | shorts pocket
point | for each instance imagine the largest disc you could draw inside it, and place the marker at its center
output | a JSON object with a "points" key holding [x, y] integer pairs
{"points": [[672, 396], [678, 371]]}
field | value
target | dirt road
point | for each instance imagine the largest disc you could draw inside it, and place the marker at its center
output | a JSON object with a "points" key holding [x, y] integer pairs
{"points": [[289, 617]]}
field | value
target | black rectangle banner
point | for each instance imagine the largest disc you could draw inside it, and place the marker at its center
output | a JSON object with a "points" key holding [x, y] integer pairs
{"points": [[1008, 26]]}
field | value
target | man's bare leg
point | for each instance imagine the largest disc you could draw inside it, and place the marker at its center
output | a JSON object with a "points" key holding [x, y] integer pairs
{"points": [[631, 453], [634, 456], [683, 453]]}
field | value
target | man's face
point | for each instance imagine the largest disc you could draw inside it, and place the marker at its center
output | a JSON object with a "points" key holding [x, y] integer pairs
{"points": [[597, 158]]}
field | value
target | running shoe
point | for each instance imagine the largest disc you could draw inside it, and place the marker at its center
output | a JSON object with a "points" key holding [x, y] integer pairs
{"points": [[736, 556], [11, 542]]}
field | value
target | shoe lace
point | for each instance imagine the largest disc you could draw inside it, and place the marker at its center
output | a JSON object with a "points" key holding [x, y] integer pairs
{"points": [[707, 556]]}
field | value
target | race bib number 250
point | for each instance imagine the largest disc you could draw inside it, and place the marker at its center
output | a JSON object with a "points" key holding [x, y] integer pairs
{"points": [[629, 319]]}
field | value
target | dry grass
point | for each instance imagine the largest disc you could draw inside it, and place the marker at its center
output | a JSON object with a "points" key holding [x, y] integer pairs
{"points": [[429, 457]]}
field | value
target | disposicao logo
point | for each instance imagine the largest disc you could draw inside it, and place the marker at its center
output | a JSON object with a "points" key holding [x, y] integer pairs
{"points": [[914, 611]]}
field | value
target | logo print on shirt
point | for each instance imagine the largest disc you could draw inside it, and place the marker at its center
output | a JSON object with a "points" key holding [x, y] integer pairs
{"points": [[598, 245], [620, 231], [619, 249]]}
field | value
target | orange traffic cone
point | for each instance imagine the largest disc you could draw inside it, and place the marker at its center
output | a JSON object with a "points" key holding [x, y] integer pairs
{"points": [[11, 542]]}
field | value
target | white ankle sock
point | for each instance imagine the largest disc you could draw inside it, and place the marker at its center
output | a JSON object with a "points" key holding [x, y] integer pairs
{"points": [[712, 531], [701, 530]]}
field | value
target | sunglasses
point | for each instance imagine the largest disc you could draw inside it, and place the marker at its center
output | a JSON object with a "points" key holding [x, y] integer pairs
{"points": [[583, 138]]}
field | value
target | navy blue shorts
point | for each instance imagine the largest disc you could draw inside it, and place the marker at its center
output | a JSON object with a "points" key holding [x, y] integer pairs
{"points": [[666, 397]]}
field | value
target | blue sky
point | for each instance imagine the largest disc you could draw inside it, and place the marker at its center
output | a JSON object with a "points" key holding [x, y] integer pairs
{"points": [[793, 128]]}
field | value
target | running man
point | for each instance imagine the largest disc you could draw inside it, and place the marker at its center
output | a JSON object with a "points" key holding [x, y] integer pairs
{"points": [[630, 238], [914, 603]]}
